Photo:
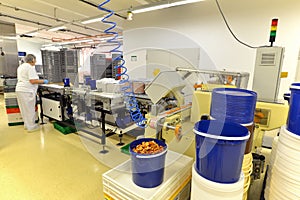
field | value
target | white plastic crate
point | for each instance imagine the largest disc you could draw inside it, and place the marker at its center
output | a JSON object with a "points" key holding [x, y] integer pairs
{"points": [[10, 95], [14, 118], [118, 184]]}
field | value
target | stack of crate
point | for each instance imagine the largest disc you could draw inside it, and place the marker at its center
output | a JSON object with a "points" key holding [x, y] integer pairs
{"points": [[103, 67], [11, 103], [51, 66], [69, 64], [58, 65]]}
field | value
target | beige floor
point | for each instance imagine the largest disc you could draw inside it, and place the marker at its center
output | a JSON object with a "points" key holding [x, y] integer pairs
{"points": [[46, 165]]}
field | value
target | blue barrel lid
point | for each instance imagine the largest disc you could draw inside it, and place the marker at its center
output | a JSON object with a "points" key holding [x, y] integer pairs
{"points": [[234, 92], [295, 86]]}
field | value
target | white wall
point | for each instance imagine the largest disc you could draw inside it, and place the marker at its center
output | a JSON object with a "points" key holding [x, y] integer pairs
{"points": [[136, 64], [249, 20], [297, 79], [31, 48]]}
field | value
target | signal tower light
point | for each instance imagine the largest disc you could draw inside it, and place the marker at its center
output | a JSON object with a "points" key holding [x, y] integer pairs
{"points": [[273, 30]]}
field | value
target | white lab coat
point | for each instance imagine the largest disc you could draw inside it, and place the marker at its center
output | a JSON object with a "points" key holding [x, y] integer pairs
{"points": [[26, 94]]}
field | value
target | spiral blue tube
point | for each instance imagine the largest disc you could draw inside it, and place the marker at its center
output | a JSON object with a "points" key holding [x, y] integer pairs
{"points": [[130, 100]]}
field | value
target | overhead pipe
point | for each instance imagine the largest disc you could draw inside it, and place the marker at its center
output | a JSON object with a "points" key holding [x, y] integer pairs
{"points": [[48, 16], [96, 6], [79, 38], [38, 23]]}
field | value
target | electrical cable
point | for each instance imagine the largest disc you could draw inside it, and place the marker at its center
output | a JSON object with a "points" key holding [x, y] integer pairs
{"points": [[95, 5], [228, 27], [130, 100]]}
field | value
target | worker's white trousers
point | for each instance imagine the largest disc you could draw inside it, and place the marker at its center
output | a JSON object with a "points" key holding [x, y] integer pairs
{"points": [[27, 101]]}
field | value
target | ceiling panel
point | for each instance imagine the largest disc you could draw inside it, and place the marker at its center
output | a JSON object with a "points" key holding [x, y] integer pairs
{"points": [[32, 15]]}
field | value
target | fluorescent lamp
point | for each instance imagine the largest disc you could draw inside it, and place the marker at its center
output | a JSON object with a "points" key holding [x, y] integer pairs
{"points": [[47, 45], [89, 21], [32, 33], [158, 7], [129, 15], [57, 28], [162, 6], [179, 3]]}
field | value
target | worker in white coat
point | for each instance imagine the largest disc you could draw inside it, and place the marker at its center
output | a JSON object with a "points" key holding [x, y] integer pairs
{"points": [[26, 91]]}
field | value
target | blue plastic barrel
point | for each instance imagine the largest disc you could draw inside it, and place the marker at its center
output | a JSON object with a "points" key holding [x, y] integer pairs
{"points": [[147, 169], [220, 148], [233, 104], [293, 122]]}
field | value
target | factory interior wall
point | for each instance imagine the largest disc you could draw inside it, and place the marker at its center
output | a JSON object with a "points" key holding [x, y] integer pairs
{"points": [[30, 48], [297, 78], [249, 20]]}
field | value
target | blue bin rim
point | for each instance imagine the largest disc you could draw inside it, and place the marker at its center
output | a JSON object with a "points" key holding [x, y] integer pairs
{"points": [[218, 137], [234, 89], [295, 86], [138, 155]]}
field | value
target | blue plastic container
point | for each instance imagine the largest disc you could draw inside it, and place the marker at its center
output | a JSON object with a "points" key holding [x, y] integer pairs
{"points": [[147, 170], [220, 148], [92, 83], [66, 82], [87, 80], [234, 105], [293, 122]]}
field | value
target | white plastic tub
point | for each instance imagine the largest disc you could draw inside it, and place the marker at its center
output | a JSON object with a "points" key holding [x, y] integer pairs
{"points": [[209, 190]]}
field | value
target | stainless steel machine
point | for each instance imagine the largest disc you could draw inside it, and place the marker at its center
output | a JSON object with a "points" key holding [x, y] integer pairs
{"points": [[169, 108], [8, 50], [267, 73], [55, 102]]}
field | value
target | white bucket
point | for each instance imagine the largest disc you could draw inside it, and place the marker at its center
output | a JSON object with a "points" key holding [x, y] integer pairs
{"points": [[284, 185], [210, 190], [288, 151], [267, 193], [273, 152], [276, 195], [288, 176], [286, 189], [289, 139], [287, 164], [272, 160]]}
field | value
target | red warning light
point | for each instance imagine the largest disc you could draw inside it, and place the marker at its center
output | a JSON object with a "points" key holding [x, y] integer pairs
{"points": [[273, 31], [274, 22]]}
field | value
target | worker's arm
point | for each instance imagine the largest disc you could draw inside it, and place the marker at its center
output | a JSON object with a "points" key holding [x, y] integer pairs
{"points": [[38, 81]]}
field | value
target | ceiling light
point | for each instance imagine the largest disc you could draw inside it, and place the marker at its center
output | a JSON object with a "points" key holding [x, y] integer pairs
{"points": [[89, 21], [166, 5], [57, 28], [129, 15], [30, 34], [47, 45]]}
